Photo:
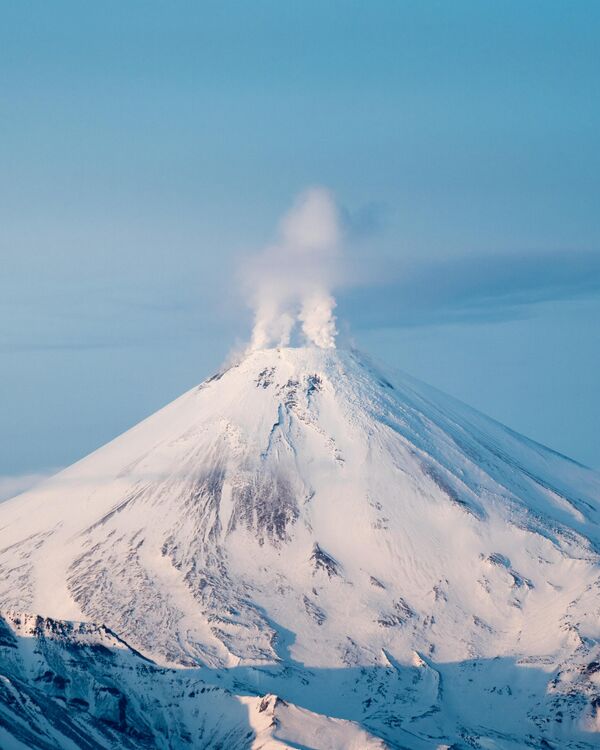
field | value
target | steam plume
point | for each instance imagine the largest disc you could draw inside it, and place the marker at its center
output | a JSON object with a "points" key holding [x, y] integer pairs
{"points": [[290, 282]]}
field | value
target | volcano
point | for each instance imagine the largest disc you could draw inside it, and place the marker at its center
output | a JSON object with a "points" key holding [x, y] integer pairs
{"points": [[305, 552]]}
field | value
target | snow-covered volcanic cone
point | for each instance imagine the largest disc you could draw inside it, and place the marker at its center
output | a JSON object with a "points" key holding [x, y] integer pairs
{"points": [[364, 547]]}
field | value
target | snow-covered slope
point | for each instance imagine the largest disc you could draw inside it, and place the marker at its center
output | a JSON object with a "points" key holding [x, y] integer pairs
{"points": [[77, 685], [362, 546]]}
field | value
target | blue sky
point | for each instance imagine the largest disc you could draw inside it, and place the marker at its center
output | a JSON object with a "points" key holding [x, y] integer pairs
{"points": [[145, 147]]}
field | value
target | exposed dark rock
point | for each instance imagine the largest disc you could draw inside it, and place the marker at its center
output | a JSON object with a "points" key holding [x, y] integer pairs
{"points": [[322, 561]]}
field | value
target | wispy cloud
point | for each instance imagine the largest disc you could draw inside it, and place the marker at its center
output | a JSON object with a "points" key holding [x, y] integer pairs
{"points": [[474, 289], [10, 486]]}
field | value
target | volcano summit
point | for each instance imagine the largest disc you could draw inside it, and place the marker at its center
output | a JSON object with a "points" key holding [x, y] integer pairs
{"points": [[304, 552]]}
